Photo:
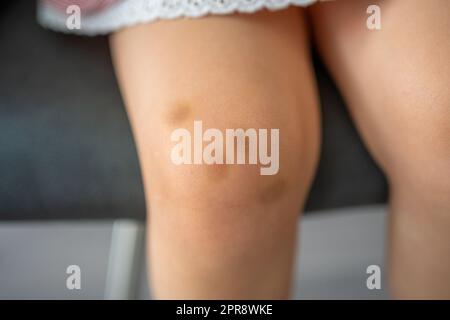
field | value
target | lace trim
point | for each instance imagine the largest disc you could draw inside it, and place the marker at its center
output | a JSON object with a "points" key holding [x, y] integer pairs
{"points": [[130, 12]]}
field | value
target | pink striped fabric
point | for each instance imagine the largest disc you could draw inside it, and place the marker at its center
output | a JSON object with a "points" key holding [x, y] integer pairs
{"points": [[86, 6]]}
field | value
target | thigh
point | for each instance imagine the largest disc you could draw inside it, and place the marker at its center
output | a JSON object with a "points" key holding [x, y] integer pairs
{"points": [[395, 80]]}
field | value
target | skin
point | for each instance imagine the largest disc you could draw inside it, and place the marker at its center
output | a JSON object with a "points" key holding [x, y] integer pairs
{"points": [[225, 231], [221, 231], [395, 82]]}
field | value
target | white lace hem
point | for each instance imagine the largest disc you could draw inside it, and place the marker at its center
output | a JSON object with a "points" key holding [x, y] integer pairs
{"points": [[132, 12]]}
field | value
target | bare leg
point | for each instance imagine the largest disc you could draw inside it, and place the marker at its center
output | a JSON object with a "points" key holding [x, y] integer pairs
{"points": [[396, 83], [221, 231]]}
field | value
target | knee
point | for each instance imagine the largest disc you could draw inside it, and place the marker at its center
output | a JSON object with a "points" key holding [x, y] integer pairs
{"points": [[223, 166], [224, 206], [234, 184], [220, 196], [225, 188]]}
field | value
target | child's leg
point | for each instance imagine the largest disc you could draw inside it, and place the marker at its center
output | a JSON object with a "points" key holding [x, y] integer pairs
{"points": [[396, 81], [221, 231]]}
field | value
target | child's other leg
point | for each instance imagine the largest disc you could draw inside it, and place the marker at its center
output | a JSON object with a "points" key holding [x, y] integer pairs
{"points": [[396, 81]]}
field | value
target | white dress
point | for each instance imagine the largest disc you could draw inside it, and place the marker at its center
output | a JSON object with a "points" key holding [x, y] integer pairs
{"points": [[126, 13]]}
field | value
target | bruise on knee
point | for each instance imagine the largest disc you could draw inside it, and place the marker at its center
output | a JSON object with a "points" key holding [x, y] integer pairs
{"points": [[178, 114], [273, 191]]}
